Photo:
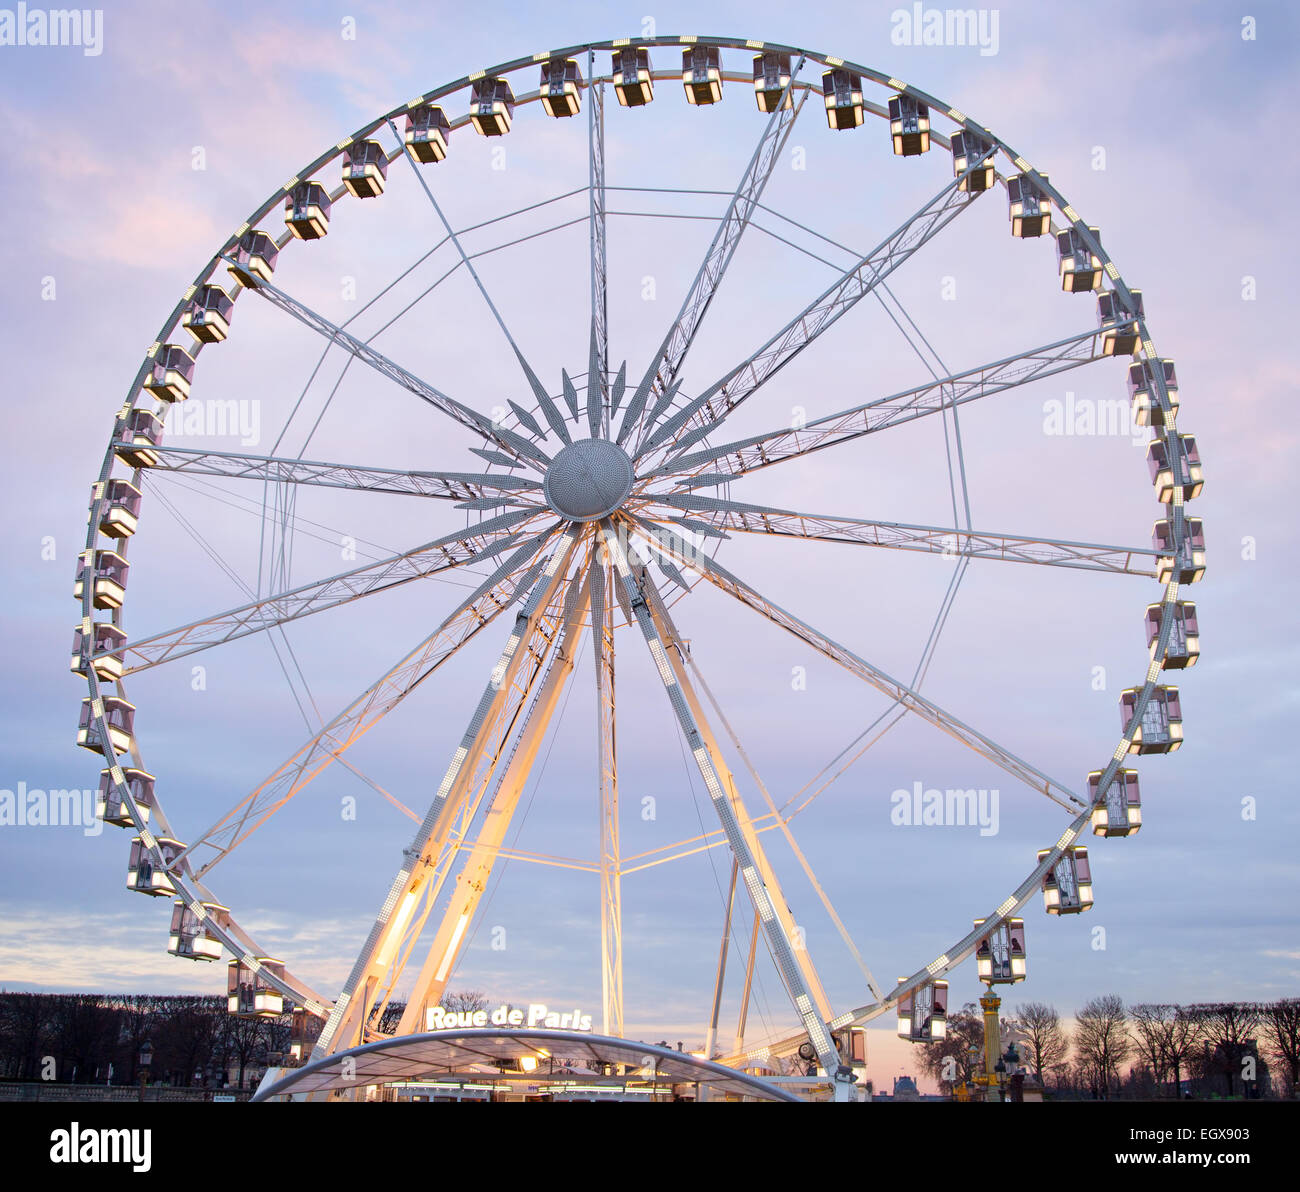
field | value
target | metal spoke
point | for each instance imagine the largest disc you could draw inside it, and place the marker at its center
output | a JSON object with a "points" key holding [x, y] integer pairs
{"points": [[718, 401], [478, 543], [681, 551], [735, 516], [598, 403], [667, 362], [763, 450], [447, 486], [512, 444], [483, 606]]}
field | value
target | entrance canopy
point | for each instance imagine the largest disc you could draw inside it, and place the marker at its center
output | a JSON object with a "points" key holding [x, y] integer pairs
{"points": [[542, 1057]]}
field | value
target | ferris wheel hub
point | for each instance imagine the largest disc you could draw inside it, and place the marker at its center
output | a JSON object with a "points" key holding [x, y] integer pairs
{"points": [[588, 480]]}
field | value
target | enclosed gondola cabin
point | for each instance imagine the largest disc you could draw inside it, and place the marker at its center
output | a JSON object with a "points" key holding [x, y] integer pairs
{"points": [[1067, 885], [1120, 811], [967, 149], [427, 132], [702, 74], [207, 314], [1161, 727], [119, 719], [191, 936], [250, 992], [1185, 565], [253, 259], [1080, 266], [1000, 954], [1144, 377], [1184, 646], [169, 373], [923, 1012], [1121, 334], [492, 107], [145, 874], [102, 648], [851, 1043], [137, 433], [304, 1029], [771, 78], [633, 83], [1029, 207], [118, 502], [365, 169], [842, 94], [1175, 470], [561, 88], [909, 126], [111, 804], [106, 572], [307, 210]]}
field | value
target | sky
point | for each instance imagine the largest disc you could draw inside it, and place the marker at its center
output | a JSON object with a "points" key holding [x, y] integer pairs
{"points": [[1164, 125]]}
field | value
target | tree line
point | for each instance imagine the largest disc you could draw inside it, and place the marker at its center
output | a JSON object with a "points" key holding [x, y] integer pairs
{"points": [[1141, 1051]]}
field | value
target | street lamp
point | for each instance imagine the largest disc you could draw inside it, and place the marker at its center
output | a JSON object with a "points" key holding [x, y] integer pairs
{"points": [[146, 1060]]}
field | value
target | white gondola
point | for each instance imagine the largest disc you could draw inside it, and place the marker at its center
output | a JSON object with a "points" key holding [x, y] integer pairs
{"points": [[968, 148], [1161, 727], [1028, 205], [1177, 472], [842, 94], [632, 81], [909, 126], [119, 718], [1000, 954], [1120, 811], [1144, 394], [106, 572], [771, 78], [1184, 646], [140, 431], [1067, 885], [170, 373], [365, 169], [144, 874], [561, 88], [851, 1043], [304, 1029], [1118, 320], [254, 259], [492, 107], [427, 132], [923, 1013], [207, 314], [250, 993], [1187, 565], [307, 210], [1080, 267], [102, 649], [119, 507], [111, 805], [191, 937], [702, 74]]}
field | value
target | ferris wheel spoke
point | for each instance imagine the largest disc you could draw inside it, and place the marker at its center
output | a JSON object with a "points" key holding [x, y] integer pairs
{"points": [[680, 551], [784, 942], [735, 516], [763, 450], [716, 403], [479, 543], [478, 610], [508, 685], [599, 410], [447, 486], [667, 362], [515, 445]]}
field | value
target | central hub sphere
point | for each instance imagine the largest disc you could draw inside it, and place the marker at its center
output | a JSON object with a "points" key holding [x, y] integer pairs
{"points": [[588, 480]]}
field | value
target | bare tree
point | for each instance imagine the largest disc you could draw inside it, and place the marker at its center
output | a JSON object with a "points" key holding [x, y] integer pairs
{"points": [[1151, 1026], [1101, 1041], [1045, 1038], [1281, 1024], [1228, 1031], [466, 1000]]}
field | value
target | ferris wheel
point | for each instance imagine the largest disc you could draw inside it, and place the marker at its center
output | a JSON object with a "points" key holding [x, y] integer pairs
{"points": [[595, 506]]}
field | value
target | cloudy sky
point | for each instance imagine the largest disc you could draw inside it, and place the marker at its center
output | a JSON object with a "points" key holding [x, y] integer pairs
{"points": [[1165, 125]]}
